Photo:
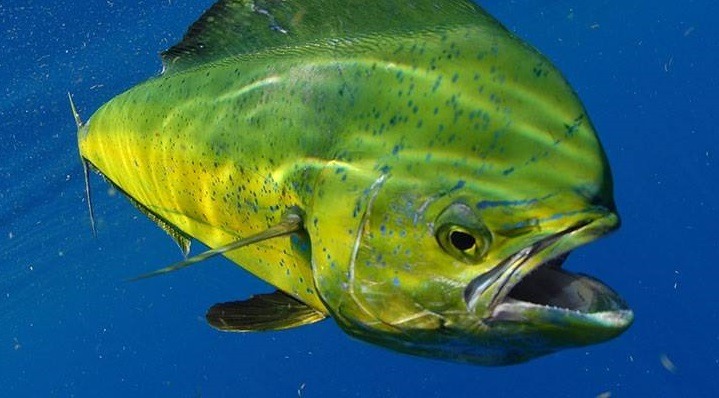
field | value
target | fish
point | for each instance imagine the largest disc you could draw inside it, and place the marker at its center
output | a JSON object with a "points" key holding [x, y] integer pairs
{"points": [[409, 168]]}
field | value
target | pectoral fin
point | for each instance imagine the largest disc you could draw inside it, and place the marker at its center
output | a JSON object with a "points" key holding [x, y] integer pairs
{"points": [[291, 222], [275, 311]]}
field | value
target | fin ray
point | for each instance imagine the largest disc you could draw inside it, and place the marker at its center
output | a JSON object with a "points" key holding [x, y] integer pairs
{"points": [[78, 120], [88, 197]]}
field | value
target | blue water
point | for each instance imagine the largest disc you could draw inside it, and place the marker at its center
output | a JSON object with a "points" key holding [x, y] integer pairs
{"points": [[70, 325]]}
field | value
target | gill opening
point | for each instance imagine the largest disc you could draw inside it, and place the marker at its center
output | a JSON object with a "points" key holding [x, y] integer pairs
{"points": [[372, 195]]}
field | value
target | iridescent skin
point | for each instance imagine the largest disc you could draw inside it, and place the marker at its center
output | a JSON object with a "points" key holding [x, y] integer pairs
{"points": [[374, 138]]}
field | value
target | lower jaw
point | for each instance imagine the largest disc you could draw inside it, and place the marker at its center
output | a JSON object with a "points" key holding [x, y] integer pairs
{"points": [[553, 298], [547, 296], [558, 288], [559, 327]]}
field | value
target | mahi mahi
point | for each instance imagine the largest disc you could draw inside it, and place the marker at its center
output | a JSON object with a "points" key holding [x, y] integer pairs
{"points": [[409, 168]]}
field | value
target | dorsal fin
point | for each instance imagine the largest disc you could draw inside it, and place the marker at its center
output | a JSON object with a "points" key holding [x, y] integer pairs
{"points": [[236, 27]]}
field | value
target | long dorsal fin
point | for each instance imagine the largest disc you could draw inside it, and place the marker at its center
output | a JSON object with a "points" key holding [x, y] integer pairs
{"points": [[236, 27], [274, 311], [291, 222]]}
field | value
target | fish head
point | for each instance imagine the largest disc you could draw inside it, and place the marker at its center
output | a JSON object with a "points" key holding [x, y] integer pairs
{"points": [[452, 245], [466, 274]]}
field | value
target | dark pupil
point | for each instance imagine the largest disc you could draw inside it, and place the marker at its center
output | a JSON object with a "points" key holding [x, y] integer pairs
{"points": [[461, 240]]}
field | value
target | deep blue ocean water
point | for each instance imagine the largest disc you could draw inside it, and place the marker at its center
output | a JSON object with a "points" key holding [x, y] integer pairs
{"points": [[70, 325]]}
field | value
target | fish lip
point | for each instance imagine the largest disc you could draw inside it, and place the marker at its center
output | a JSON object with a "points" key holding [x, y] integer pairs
{"points": [[488, 295], [504, 271]]}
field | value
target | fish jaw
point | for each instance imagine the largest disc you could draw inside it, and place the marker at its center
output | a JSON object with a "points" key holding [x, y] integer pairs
{"points": [[530, 295]]}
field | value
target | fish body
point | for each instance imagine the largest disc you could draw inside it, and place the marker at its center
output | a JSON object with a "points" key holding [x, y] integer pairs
{"points": [[439, 169]]}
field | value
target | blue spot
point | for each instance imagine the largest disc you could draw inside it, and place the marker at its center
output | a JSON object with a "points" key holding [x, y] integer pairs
{"points": [[395, 281], [486, 204], [532, 222], [299, 243], [395, 150], [460, 185]]}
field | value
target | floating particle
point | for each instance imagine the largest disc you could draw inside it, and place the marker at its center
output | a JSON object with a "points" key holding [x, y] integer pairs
{"points": [[667, 363], [300, 389]]}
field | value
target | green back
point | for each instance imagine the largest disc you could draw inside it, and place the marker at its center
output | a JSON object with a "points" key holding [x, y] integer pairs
{"points": [[237, 27]]}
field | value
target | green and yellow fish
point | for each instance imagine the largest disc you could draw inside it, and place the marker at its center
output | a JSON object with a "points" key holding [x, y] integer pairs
{"points": [[407, 167]]}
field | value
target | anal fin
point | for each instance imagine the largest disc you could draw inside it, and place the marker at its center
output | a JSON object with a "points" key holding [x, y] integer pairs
{"points": [[274, 311], [183, 240]]}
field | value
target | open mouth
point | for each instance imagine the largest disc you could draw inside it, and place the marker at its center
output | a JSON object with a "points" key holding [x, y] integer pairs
{"points": [[551, 286], [533, 280]]}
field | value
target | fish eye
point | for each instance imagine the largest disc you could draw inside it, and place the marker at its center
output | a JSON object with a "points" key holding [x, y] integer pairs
{"points": [[462, 240], [462, 234]]}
